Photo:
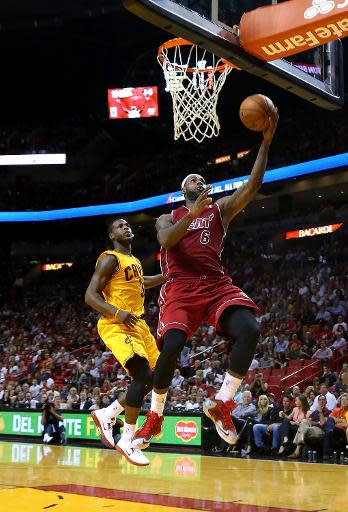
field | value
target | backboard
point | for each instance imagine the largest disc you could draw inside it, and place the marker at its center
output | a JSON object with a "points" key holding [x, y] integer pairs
{"points": [[315, 75]]}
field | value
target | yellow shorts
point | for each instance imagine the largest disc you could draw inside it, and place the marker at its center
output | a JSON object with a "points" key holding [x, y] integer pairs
{"points": [[124, 343]]}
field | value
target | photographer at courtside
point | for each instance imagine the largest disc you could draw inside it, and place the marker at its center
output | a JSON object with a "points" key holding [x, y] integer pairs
{"points": [[52, 422]]}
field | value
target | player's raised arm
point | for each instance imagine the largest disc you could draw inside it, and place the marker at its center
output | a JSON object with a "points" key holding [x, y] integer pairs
{"points": [[152, 281], [169, 234], [231, 205]]}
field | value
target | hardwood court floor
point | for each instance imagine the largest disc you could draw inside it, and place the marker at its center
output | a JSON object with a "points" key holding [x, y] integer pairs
{"points": [[34, 477]]}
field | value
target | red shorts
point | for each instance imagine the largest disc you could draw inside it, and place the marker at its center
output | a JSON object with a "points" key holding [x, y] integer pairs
{"points": [[187, 302]]}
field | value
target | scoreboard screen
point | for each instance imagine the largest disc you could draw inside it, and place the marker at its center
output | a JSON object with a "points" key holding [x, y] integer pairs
{"points": [[133, 102]]}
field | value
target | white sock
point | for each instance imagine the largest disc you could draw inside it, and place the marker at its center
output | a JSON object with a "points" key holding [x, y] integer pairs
{"points": [[157, 402], [229, 388], [128, 431], [114, 409]]}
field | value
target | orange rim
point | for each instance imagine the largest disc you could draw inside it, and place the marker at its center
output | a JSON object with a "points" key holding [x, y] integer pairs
{"points": [[179, 41]]}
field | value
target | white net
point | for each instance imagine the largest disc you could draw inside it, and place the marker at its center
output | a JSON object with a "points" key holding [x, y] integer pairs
{"points": [[194, 77]]}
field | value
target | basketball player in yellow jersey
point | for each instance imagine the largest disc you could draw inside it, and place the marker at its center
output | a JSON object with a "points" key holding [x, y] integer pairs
{"points": [[117, 291]]}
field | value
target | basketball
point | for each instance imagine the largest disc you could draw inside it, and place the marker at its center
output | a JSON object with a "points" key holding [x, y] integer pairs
{"points": [[255, 111]]}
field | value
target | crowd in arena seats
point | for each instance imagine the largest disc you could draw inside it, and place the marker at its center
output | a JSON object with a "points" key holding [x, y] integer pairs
{"points": [[50, 350], [111, 171]]}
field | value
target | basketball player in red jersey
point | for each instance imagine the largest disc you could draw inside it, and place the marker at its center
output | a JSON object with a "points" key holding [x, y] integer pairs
{"points": [[197, 289]]}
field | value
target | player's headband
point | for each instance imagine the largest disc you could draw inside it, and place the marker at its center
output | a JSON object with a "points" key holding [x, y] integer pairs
{"points": [[189, 176]]}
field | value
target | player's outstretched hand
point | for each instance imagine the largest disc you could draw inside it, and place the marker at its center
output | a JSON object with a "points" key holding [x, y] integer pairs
{"points": [[269, 132], [127, 318], [201, 202]]}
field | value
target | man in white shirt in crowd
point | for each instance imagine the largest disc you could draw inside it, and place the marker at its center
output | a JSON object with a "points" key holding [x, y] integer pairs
{"points": [[281, 345], [331, 400], [323, 351], [340, 322], [34, 389], [177, 380], [3, 373]]}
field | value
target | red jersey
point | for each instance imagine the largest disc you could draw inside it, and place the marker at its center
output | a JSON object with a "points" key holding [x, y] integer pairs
{"points": [[199, 251]]}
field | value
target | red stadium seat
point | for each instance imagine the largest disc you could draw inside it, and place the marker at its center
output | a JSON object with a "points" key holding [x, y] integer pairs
{"points": [[266, 372], [273, 380], [278, 372], [295, 363]]}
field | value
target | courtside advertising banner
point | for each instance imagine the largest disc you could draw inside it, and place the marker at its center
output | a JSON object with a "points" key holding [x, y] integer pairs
{"points": [[177, 430]]}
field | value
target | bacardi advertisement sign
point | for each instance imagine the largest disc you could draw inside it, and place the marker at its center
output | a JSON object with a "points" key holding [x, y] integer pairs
{"points": [[314, 231]]}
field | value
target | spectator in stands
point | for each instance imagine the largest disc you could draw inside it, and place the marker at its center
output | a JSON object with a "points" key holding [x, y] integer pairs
{"points": [[258, 386], [340, 323], [243, 411], [312, 426], [339, 342], [309, 342], [310, 395], [294, 351], [280, 360], [3, 372], [336, 427], [185, 359], [84, 403], [253, 365], [271, 428], [291, 423], [328, 377], [262, 416], [323, 315], [266, 361], [316, 385], [336, 308], [34, 389], [282, 345], [339, 387], [323, 351], [178, 379], [295, 392], [330, 399]]}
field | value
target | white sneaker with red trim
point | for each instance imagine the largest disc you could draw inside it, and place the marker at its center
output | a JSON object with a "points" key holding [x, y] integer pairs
{"points": [[104, 426], [134, 456]]}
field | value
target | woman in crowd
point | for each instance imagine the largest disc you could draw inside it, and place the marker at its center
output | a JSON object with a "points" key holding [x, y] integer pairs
{"points": [[263, 415], [292, 421]]}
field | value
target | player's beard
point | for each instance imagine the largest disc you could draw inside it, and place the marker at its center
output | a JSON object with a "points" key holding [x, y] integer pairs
{"points": [[192, 196]]}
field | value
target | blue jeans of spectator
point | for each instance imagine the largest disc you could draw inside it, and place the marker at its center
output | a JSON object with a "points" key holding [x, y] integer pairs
{"points": [[260, 429]]}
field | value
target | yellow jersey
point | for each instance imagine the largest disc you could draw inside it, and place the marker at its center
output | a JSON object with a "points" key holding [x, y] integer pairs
{"points": [[125, 289]]}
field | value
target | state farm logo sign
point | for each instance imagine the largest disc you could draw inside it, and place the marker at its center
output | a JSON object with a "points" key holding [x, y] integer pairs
{"points": [[322, 7], [186, 430]]}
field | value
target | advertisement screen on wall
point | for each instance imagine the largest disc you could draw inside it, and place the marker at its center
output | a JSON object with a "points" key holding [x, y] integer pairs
{"points": [[177, 430]]}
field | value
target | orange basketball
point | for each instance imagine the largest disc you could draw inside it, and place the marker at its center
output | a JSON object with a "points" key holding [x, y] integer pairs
{"points": [[254, 112]]}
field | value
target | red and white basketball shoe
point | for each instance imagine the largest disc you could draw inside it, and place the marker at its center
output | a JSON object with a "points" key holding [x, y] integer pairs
{"points": [[104, 425], [134, 456], [151, 428], [220, 413]]}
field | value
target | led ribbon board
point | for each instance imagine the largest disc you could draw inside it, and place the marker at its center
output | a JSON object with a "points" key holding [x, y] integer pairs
{"points": [[282, 173], [314, 231]]}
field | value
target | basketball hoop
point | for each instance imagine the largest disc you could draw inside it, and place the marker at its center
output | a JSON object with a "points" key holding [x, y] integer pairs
{"points": [[194, 77]]}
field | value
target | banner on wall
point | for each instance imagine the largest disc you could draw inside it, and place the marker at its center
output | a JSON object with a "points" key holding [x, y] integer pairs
{"points": [[177, 430], [312, 231]]}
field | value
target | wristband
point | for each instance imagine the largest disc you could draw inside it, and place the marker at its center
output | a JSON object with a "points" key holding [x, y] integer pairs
{"points": [[267, 142], [116, 313]]}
